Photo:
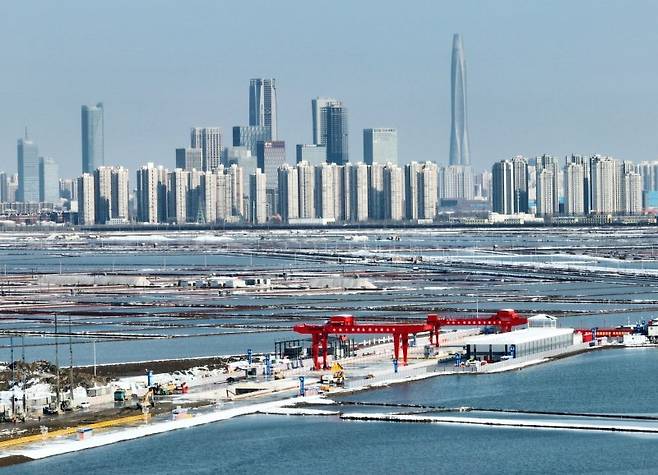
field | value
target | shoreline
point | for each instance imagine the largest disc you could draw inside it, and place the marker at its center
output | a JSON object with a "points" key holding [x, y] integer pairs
{"points": [[36, 450]]}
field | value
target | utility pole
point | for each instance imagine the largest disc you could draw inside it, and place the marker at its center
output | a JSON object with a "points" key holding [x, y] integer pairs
{"points": [[11, 359], [94, 345], [71, 355], [57, 363]]}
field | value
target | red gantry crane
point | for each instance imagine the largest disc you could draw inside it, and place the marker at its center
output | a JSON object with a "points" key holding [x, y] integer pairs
{"points": [[346, 325]]}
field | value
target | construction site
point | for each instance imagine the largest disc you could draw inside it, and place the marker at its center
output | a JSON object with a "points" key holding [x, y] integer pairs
{"points": [[104, 335]]}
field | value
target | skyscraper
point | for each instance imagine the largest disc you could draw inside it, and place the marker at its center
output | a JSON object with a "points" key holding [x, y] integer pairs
{"points": [[189, 158], [262, 104], [335, 117], [48, 180], [250, 136], [459, 148], [92, 138], [28, 171], [319, 123], [209, 140], [380, 146], [314, 154], [270, 156]]}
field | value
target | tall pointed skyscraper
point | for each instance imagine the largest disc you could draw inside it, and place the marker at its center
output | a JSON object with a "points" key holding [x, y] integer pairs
{"points": [[459, 149]]}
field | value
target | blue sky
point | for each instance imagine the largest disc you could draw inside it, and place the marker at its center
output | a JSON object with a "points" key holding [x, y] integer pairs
{"points": [[543, 77]]}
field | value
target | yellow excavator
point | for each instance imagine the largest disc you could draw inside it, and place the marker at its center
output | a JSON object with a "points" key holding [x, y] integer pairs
{"points": [[338, 373], [337, 377], [146, 400]]}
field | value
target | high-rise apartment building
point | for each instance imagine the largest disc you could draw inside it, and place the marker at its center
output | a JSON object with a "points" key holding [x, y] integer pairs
{"points": [[68, 190], [111, 195], [86, 200], [328, 200], [459, 145], [587, 187], [288, 192], [207, 196], [504, 198], [359, 192], [151, 194], [12, 188], [574, 195], [456, 182], [393, 192], [376, 201], [4, 185], [411, 171], [209, 140], [189, 159], [93, 141], [177, 184], [605, 184], [263, 104], [250, 136], [546, 162], [306, 190], [632, 193], [428, 191], [48, 180], [380, 146], [258, 197], [545, 192], [28, 171]]}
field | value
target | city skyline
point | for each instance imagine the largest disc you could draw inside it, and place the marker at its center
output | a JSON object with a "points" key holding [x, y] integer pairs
{"points": [[523, 98]]}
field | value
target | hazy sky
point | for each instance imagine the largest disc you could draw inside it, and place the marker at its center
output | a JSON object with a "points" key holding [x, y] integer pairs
{"points": [[543, 77]]}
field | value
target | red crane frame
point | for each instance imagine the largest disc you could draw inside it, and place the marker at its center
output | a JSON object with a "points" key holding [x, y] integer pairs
{"points": [[346, 324]]}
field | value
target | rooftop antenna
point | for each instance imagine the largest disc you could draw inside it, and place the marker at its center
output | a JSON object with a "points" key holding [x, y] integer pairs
{"points": [[26, 136]]}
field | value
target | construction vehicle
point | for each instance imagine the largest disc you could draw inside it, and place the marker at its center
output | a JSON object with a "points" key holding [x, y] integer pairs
{"points": [[166, 389], [336, 378], [51, 409], [279, 374], [146, 400], [338, 373]]}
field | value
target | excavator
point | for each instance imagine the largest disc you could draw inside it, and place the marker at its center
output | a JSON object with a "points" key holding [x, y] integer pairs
{"points": [[336, 378], [146, 400]]}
